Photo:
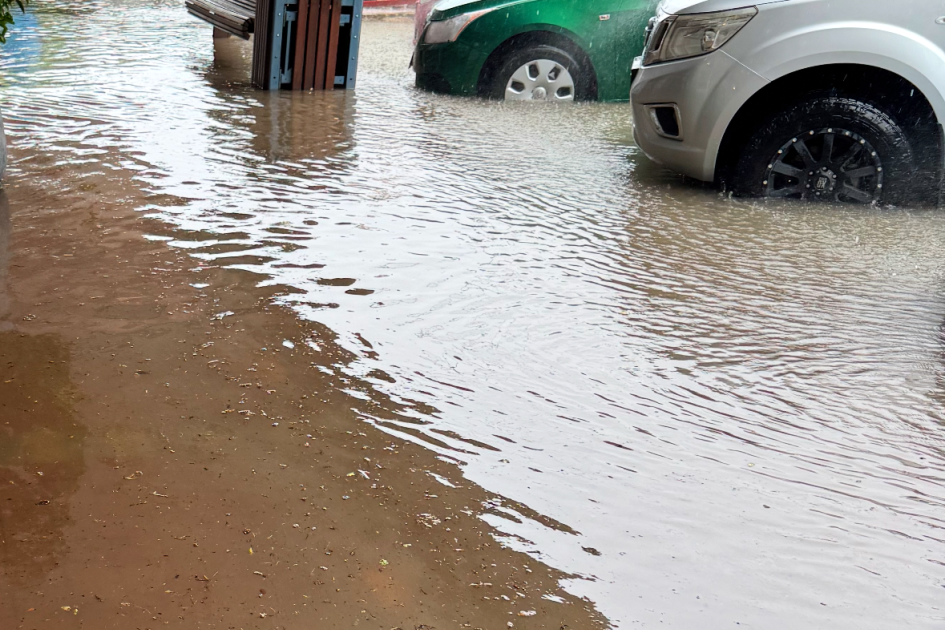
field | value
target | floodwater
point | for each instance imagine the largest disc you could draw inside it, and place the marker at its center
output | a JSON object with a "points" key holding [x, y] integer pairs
{"points": [[709, 412]]}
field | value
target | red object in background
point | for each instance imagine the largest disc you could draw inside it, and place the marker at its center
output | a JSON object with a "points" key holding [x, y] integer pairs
{"points": [[423, 11]]}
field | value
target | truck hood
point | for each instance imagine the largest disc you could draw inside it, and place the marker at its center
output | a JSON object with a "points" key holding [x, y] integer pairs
{"points": [[682, 7]]}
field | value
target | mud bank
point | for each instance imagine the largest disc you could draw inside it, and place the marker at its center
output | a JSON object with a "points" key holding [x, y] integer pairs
{"points": [[172, 455]]}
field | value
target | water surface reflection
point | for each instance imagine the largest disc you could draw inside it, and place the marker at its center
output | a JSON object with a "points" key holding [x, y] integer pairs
{"points": [[738, 406]]}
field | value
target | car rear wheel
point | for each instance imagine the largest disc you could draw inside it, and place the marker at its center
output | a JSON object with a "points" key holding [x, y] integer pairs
{"points": [[541, 72], [828, 149]]}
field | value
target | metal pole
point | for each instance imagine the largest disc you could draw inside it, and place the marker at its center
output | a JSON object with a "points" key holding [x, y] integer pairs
{"points": [[277, 26], [352, 78]]}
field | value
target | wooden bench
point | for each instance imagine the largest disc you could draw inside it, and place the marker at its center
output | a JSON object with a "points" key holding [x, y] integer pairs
{"points": [[298, 44], [237, 17]]}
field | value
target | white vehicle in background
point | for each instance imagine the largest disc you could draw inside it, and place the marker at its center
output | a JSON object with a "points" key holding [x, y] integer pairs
{"points": [[835, 100]]}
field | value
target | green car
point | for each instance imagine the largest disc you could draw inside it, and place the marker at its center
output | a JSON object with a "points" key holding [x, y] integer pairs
{"points": [[554, 50]]}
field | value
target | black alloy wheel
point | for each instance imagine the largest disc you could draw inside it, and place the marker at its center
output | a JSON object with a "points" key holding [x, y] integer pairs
{"points": [[828, 149], [826, 165]]}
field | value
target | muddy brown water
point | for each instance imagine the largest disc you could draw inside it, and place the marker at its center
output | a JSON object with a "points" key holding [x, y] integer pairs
{"points": [[701, 412]]}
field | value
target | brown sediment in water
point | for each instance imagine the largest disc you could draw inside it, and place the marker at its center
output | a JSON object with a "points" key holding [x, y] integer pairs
{"points": [[156, 468]]}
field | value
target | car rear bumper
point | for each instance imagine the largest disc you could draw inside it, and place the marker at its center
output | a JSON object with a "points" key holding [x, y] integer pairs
{"points": [[703, 94]]}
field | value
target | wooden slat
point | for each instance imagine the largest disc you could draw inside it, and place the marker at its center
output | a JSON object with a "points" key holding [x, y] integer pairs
{"points": [[236, 7], [331, 62], [236, 25], [314, 42], [301, 39], [262, 45], [248, 5], [324, 25]]}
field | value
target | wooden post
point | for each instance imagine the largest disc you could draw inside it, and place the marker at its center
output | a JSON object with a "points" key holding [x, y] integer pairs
{"points": [[331, 64], [314, 76], [301, 43]]}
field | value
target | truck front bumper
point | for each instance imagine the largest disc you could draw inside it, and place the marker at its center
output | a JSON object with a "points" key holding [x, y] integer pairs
{"points": [[703, 94]]}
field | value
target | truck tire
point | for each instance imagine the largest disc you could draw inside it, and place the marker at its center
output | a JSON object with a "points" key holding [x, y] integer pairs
{"points": [[829, 149]]}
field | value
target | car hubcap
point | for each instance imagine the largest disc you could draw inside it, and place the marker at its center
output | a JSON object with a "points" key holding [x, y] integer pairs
{"points": [[540, 80], [826, 165]]}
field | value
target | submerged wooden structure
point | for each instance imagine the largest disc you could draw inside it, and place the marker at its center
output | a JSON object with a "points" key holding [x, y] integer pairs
{"points": [[297, 44]]}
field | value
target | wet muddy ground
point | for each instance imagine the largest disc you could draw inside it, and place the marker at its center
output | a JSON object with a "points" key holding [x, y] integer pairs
{"points": [[498, 361], [162, 467]]}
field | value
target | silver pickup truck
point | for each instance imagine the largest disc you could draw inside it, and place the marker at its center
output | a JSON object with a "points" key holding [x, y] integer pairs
{"points": [[834, 100]]}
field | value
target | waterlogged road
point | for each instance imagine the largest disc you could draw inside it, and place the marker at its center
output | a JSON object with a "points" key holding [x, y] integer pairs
{"points": [[710, 413]]}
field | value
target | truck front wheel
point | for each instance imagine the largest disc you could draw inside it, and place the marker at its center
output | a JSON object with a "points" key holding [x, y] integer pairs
{"points": [[828, 149]]}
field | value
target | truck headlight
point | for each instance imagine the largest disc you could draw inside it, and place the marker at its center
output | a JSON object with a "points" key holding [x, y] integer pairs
{"points": [[442, 31], [684, 36]]}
